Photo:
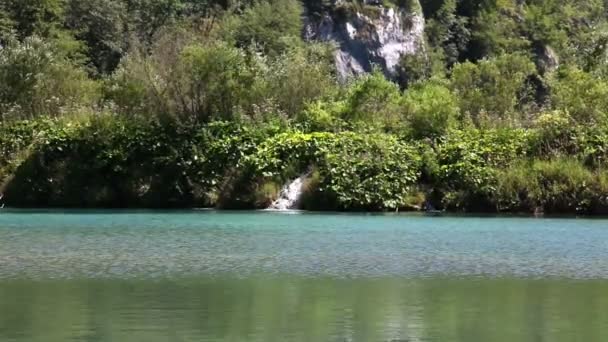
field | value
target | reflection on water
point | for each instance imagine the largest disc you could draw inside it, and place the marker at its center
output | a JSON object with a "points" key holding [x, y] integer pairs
{"points": [[191, 276], [299, 309]]}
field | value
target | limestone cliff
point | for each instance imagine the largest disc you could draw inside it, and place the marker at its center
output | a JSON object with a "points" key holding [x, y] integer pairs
{"points": [[368, 35]]}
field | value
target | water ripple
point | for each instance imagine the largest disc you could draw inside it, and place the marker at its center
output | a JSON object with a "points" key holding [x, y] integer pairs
{"points": [[149, 244]]}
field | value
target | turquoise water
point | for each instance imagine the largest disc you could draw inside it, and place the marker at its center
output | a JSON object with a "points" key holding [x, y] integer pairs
{"points": [[259, 276]]}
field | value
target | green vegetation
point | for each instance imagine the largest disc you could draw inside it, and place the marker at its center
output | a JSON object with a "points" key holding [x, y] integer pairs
{"points": [[140, 103]]}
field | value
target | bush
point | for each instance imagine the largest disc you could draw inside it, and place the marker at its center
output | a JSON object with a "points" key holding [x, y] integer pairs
{"points": [[354, 171], [299, 76], [468, 160], [198, 81], [582, 95], [373, 101], [556, 135], [430, 109], [129, 162], [370, 172], [37, 80], [320, 116], [555, 186], [274, 25], [494, 90]]}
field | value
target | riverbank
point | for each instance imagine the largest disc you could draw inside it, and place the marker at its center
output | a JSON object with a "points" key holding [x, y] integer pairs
{"points": [[106, 162]]}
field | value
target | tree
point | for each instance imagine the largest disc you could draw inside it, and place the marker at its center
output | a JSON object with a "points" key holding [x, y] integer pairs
{"points": [[40, 17], [373, 101], [273, 25], [582, 95], [449, 31], [497, 88], [300, 76], [36, 80], [430, 108], [102, 25]]}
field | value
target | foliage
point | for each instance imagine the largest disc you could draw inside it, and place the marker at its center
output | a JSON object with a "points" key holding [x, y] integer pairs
{"points": [[372, 100], [556, 186], [35, 17], [219, 102], [431, 109], [364, 172], [271, 24], [467, 162], [370, 172], [36, 79], [556, 135], [582, 95], [413, 68], [449, 31], [200, 80], [494, 90]]}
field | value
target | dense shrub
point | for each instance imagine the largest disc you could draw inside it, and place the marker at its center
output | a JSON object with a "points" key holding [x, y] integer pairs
{"points": [[430, 109], [273, 25], [495, 90], [127, 160], [556, 135], [371, 172], [221, 102], [555, 186], [582, 95], [202, 81], [37, 80], [354, 171], [372, 100], [467, 163]]}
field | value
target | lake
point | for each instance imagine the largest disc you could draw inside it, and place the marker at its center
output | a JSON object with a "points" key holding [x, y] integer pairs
{"points": [[265, 276]]}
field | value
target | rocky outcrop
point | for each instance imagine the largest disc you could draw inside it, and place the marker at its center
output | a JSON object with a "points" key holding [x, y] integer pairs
{"points": [[547, 59], [377, 36]]}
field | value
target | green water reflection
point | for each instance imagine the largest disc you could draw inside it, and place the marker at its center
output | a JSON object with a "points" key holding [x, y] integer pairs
{"points": [[304, 309]]}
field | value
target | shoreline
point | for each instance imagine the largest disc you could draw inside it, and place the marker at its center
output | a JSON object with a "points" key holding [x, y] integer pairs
{"points": [[444, 214]]}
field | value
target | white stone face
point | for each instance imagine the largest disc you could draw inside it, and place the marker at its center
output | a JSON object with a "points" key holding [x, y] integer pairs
{"points": [[363, 41], [347, 65], [395, 40], [352, 31]]}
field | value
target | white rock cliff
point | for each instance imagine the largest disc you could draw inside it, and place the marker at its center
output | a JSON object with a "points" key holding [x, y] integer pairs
{"points": [[378, 38]]}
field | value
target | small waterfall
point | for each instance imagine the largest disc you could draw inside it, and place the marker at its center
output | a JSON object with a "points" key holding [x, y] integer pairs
{"points": [[290, 195]]}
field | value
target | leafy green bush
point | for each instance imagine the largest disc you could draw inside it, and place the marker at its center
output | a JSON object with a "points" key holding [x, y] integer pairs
{"points": [[430, 109], [16, 142], [354, 171], [370, 172], [274, 25], [494, 90], [468, 160], [557, 135], [299, 76], [447, 31], [555, 186], [200, 81], [582, 95], [373, 101], [322, 115], [37, 80]]}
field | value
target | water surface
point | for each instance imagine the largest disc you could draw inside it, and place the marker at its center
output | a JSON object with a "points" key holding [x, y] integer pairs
{"points": [[252, 276]]}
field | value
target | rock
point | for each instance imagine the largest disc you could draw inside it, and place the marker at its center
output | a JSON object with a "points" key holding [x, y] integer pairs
{"points": [[547, 59], [378, 37]]}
